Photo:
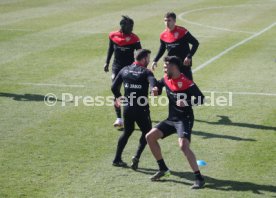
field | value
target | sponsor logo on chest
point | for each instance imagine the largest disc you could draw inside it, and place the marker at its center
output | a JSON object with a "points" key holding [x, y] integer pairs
{"points": [[133, 86]]}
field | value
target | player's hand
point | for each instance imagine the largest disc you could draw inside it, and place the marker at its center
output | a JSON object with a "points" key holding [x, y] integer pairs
{"points": [[181, 103], [187, 61], [153, 66], [117, 102], [154, 91], [106, 69]]}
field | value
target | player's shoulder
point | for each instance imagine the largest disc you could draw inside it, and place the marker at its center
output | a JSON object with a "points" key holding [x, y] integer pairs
{"points": [[135, 37], [114, 33], [148, 72], [172, 36], [181, 29], [186, 80]]}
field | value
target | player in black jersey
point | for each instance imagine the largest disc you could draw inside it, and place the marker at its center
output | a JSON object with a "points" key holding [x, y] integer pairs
{"points": [[136, 79], [180, 91], [176, 39], [122, 43]]}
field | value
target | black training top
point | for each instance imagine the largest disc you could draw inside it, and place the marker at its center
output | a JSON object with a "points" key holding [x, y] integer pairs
{"points": [[136, 80], [123, 46], [177, 43]]}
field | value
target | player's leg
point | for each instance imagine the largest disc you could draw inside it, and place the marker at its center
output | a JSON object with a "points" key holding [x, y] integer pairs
{"points": [[184, 130], [119, 121], [123, 139], [143, 120], [184, 144], [162, 130]]}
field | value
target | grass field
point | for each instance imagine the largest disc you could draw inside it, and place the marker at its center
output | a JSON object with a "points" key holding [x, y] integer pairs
{"points": [[51, 46]]}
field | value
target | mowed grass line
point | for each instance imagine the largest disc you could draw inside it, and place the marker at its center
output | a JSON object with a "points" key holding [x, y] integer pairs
{"points": [[68, 154]]}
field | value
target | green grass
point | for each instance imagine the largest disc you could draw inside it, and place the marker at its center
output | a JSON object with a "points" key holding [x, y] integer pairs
{"points": [[67, 151]]}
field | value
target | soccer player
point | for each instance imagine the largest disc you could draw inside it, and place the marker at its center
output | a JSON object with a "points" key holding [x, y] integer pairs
{"points": [[136, 79], [176, 40], [180, 119], [122, 43]]}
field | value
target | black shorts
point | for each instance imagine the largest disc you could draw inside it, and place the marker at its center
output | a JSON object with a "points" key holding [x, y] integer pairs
{"points": [[183, 127], [115, 70], [138, 115]]}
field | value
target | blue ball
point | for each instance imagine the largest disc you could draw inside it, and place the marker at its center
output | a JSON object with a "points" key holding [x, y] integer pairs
{"points": [[201, 163]]}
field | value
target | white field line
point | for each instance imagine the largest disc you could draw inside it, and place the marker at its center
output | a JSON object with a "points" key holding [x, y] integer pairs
{"points": [[242, 93], [83, 86], [180, 16], [233, 47], [218, 28], [52, 85]]}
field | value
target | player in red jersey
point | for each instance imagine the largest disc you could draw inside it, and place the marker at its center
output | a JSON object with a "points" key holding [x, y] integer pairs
{"points": [[123, 44], [180, 91], [176, 39]]}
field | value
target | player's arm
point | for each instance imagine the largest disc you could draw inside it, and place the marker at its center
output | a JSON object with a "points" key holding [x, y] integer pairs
{"points": [[109, 55], [152, 82], [115, 88], [160, 53], [198, 99], [138, 45], [198, 96], [159, 86], [194, 42]]}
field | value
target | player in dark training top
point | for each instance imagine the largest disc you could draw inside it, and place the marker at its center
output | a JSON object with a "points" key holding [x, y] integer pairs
{"points": [[180, 91], [136, 79], [176, 40], [122, 43]]}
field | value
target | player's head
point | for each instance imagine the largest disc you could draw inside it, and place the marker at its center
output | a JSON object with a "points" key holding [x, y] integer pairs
{"points": [[143, 57], [172, 65], [126, 24], [170, 19]]}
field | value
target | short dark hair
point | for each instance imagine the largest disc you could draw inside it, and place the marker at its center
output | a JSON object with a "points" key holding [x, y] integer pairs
{"points": [[126, 20], [173, 60], [141, 53], [170, 15]]}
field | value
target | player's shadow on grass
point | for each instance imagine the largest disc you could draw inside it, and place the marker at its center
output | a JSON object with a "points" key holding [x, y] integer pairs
{"points": [[187, 178], [28, 97], [225, 185], [206, 135], [224, 120]]}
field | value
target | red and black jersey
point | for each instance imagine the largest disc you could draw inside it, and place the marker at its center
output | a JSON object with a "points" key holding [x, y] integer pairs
{"points": [[123, 46], [177, 43], [180, 88]]}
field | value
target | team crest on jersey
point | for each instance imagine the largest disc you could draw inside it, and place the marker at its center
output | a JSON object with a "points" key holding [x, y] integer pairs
{"points": [[128, 39], [179, 84], [176, 34]]}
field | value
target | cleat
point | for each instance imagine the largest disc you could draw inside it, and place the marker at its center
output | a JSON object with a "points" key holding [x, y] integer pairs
{"points": [[198, 184], [119, 164], [118, 123], [160, 174], [135, 163]]}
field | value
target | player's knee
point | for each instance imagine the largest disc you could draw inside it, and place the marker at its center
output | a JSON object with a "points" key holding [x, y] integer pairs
{"points": [[184, 146], [151, 136]]}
